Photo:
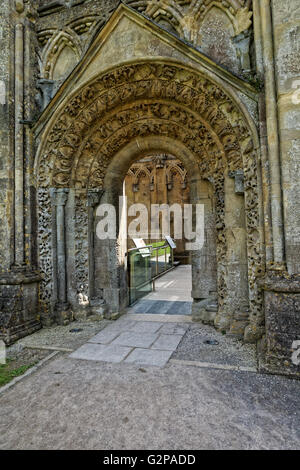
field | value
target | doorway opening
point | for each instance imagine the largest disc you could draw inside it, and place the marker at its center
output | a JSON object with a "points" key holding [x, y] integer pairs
{"points": [[160, 274]]}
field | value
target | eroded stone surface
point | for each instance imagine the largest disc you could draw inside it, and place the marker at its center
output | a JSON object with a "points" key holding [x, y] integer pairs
{"points": [[238, 141]]}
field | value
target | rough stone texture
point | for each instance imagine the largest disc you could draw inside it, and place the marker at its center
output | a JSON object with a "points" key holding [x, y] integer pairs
{"points": [[180, 93], [120, 406], [282, 305]]}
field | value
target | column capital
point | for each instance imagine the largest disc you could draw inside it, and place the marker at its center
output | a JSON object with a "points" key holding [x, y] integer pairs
{"points": [[19, 5], [239, 178], [94, 197], [60, 196]]}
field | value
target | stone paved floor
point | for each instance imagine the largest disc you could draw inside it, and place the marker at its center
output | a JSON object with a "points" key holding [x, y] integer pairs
{"points": [[149, 343], [146, 343], [172, 295]]}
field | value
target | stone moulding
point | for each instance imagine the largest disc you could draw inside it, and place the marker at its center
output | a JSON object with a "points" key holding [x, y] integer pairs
{"points": [[158, 98]]}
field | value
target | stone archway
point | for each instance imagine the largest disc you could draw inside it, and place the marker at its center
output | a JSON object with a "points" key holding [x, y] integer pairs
{"points": [[125, 107]]}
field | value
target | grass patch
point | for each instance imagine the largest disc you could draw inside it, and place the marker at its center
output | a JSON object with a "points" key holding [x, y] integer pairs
{"points": [[8, 373]]}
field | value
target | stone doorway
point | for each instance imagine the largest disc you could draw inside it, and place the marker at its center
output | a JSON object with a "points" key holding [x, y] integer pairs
{"points": [[120, 117]]}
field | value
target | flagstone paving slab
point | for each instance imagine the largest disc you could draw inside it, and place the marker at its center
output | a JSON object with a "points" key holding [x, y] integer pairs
{"points": [[167, 342], [118, 339], [149, 357], [101, 352], [174, 329], [146, 327], [105, 337], [135, 340]]}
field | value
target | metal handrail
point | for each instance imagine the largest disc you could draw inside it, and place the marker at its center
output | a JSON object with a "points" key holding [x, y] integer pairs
{"points": [[152, 250]]}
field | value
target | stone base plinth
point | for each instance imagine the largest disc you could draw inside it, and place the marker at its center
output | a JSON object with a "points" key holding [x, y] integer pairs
{"points": [[98, 307], [19, 314], [279, 351], [63, 314], [204, 311], [117, 301]]}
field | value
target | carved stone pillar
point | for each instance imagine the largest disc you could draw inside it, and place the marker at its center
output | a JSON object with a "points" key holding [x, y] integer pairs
{"points": [[19, 146], [97, 303], [94, 197], [62, 307], [273, 136], [19, 281]]}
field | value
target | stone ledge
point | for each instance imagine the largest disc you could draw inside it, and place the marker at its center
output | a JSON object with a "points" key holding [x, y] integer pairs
{"points": [[12, 334], [281, 282]]}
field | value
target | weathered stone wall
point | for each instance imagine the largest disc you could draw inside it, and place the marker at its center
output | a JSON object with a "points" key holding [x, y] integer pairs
{"points": [[42, 42], [19, 310], [222, 30], [286, 23], [280, 28], [6, 137]]}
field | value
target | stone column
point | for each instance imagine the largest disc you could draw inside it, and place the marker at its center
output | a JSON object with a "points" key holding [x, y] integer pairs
{"points": [[19, 146], [204, 261], [62, 308], [94, 198], [273, 133], [265, 170], [18, 281], [278, 350], [236, 256], [257, 36]]}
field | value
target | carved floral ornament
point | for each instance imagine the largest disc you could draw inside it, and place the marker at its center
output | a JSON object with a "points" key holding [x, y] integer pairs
{"points": [[156, 99], [159, 100]]}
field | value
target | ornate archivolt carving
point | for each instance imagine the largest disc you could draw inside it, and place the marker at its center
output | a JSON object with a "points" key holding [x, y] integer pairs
{"points": [[46, 239], [167, 100]]}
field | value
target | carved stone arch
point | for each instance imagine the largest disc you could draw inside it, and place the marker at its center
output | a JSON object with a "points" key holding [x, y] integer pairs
{"points": [[201, 11], [174, 168], [86, 24], [55, 46], [74, 102], [141, 173], [171, 13], [156, 100]]}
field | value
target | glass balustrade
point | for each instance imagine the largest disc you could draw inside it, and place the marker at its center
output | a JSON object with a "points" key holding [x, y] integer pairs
{"points": [[145, 265]]}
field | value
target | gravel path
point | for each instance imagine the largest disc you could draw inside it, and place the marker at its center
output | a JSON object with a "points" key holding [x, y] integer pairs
{"points": [[73, 404], [228, 350]]}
